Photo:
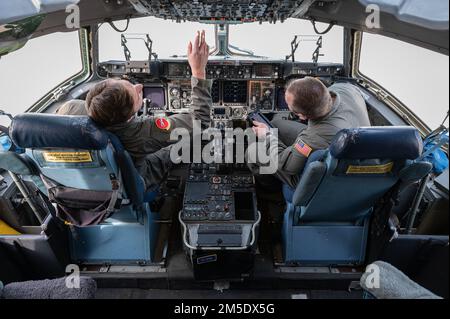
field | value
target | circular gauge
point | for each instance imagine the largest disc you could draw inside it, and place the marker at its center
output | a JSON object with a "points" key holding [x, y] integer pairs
{"points": [[268, 93], [238, 112], [176, 104], [267, 105], [175, 92]]}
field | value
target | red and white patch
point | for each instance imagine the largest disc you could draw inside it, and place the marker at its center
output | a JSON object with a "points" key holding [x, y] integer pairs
{"points": [[163, 123]]}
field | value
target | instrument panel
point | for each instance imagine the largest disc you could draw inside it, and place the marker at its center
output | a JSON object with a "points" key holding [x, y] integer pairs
{"points": [[212, 195], [240, 96], [179, 96], [226, 70], [216, 10], [239, 87]]}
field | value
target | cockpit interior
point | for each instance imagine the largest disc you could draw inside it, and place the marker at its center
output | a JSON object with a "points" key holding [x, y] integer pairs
{"points": [[210, 225]]}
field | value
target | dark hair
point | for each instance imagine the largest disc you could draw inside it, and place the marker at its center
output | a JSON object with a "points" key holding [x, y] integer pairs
{"points": [[311, 97], [109, 102]]}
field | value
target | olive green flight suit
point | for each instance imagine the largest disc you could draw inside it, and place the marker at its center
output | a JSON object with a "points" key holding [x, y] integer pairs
{"points": [[148, 142], [298, 141]]}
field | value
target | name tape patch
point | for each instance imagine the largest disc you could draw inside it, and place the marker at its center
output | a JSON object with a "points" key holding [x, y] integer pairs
{"points": [[374, 169], [68, 157]]}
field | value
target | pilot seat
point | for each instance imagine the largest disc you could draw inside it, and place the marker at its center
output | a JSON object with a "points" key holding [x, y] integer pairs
{"points": [[86, 167], [328, 214]]}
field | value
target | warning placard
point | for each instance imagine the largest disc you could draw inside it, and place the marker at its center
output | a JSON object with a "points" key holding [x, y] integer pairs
{"points": [[68, 157], [374, 169]]}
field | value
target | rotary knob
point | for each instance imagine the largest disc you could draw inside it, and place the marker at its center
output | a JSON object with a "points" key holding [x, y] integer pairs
{"points": [[175, 92], [238, 112], [267, 105], [176, 104]]}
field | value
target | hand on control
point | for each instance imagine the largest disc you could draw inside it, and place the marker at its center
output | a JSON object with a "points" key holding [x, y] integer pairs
{"points": [[198, 54], [260, 129]]}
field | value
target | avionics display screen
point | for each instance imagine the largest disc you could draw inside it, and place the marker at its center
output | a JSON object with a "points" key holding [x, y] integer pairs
{"points": [[177, 69], [244, 206], [235, 92], [219, 111], [263, 70], [156, 96]]}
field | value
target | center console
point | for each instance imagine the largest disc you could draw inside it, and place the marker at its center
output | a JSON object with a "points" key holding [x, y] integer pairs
{"points": [[220, 220]]}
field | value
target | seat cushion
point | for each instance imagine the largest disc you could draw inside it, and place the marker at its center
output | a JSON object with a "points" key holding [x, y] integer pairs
{"points": [[13, 162]]}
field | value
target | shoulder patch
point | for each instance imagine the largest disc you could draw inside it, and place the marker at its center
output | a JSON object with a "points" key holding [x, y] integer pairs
{"points": [[303, 148], [163, 123]]}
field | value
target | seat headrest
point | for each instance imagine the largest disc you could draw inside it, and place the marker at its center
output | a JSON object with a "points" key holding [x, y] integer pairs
{"points": [[390, 142], [34, 130]]}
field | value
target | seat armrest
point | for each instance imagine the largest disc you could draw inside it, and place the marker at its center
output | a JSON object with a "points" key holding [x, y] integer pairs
{"points": [[415, 171], [15, 163]]}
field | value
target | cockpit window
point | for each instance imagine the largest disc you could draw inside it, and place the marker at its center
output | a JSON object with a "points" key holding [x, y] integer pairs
{"points": [[416, 76], [268, 40], [30, 73]]}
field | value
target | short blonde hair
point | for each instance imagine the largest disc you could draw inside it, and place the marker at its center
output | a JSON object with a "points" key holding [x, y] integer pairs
{"points": [[73, 107]]}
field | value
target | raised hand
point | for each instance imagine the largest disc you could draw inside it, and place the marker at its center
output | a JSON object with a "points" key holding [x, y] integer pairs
{"points": [[198, 54]]}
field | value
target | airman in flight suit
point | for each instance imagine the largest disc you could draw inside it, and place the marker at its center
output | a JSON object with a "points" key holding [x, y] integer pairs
{"points": [[113, 104], [327, 110]]}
